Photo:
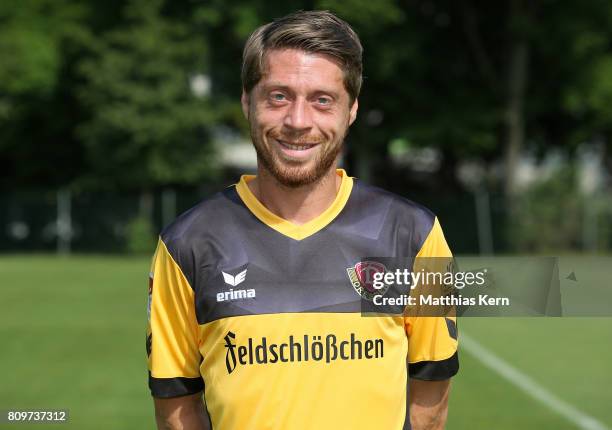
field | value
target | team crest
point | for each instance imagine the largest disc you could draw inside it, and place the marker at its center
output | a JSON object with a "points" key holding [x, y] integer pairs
{"points": [[362, 278]]}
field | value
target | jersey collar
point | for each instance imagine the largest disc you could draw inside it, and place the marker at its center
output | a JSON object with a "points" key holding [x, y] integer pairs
{"points": [[294, 231]]}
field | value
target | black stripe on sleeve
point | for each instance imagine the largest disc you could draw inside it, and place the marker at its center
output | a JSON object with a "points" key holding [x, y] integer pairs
{"points": [[149, 345], [452, 328], [434, 370], [174, 387]]}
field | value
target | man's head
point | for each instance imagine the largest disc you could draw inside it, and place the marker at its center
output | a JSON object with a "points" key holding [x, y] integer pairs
{"points": [[301, 77]]}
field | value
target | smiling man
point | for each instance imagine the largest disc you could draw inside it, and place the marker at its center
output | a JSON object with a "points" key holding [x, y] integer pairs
{"points": [[255, 294]]}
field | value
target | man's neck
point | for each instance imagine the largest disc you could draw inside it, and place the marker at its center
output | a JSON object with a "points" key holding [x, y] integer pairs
{"points": [[296, 205]]}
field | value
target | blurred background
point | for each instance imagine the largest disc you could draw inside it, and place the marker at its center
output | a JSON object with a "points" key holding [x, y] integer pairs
{"points": [[115, 116]]}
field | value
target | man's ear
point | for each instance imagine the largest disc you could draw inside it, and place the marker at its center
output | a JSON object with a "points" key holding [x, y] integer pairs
{"points": [[353, 112], [244, 101]]}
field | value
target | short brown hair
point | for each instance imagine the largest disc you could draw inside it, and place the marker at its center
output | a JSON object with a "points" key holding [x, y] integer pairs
{"points": [[319, 32]]}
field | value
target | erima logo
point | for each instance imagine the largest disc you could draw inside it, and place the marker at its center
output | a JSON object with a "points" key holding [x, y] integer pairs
{"points": [[324, 348], [234, 280], [235, 294]]}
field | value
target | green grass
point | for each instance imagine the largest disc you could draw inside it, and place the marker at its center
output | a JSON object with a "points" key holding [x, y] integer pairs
{"points": [[73, 333], [570, 357], [72, 336]]}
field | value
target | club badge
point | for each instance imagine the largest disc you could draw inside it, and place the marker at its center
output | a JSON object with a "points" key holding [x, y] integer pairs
{"points": [[362, 278]]}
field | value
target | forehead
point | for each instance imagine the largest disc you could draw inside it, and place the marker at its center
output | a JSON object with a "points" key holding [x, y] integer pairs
{"points": [[301, 69]]}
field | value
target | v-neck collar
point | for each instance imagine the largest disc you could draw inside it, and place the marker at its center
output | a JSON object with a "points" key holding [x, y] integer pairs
{"points": [[287, 228]]}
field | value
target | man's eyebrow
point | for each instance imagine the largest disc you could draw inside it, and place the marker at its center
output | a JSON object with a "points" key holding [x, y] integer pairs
{"points": [[332, 93], [276, 86], [280, 86]]}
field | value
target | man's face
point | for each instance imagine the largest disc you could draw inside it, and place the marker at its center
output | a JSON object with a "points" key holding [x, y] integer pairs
{"points": [[299, 113]]}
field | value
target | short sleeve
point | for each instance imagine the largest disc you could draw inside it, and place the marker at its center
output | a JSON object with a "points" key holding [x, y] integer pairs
{"points": [[172, 330], [432, 340]]}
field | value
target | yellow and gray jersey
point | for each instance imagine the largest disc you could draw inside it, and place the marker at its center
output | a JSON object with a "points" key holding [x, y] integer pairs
{"points": [[261, 315]]}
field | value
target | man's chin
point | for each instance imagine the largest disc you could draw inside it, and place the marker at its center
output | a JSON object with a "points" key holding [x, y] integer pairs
{"points": [[295, 174], [294, 178]]}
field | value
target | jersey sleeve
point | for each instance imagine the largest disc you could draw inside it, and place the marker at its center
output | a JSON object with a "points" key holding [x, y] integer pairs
{"points": [[172, 330], [432, 340]]}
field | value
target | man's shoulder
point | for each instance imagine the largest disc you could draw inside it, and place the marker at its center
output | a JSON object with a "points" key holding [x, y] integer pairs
{"points": [[393, 206], [208, 216]]}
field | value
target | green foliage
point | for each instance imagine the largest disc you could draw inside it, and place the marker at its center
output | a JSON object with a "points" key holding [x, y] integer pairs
{"points": [[39, 42], [30, 61], [98, 93], [594, 94], [32, 35], [366, 14], [569, 70], [140, 238], [147, 127], [547, 216]]}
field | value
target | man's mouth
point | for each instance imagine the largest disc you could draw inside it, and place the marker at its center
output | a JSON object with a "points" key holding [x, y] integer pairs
{"points": [[296, 147]]}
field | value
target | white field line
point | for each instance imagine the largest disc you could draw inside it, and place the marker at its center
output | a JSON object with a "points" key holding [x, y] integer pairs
{"points": [[528, 385]]}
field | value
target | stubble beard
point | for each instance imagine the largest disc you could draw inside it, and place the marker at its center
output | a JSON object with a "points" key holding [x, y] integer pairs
{"points": [[298, 175]]}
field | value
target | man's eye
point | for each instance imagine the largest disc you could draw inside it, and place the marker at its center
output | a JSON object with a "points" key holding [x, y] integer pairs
{"points": [[278, 97], [323, 100]]}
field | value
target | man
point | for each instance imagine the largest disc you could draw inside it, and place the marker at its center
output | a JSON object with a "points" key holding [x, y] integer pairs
{"points": [[250, 303]]}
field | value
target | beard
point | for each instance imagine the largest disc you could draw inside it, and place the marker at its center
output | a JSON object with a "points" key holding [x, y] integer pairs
{"points": [[295, 174]]}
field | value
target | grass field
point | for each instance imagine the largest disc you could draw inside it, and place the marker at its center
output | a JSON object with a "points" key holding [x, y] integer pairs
{"points": [[72, 335]]}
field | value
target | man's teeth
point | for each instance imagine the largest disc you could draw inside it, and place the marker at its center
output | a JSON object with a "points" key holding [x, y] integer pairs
{"points": [[295, 147]]}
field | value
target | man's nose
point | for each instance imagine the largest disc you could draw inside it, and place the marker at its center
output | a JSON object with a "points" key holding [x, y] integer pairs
{"points": [[299, 116]]}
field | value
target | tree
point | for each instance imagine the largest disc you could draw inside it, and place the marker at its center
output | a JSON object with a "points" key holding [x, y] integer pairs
{"points": [[148, 126], [38, 41]]}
